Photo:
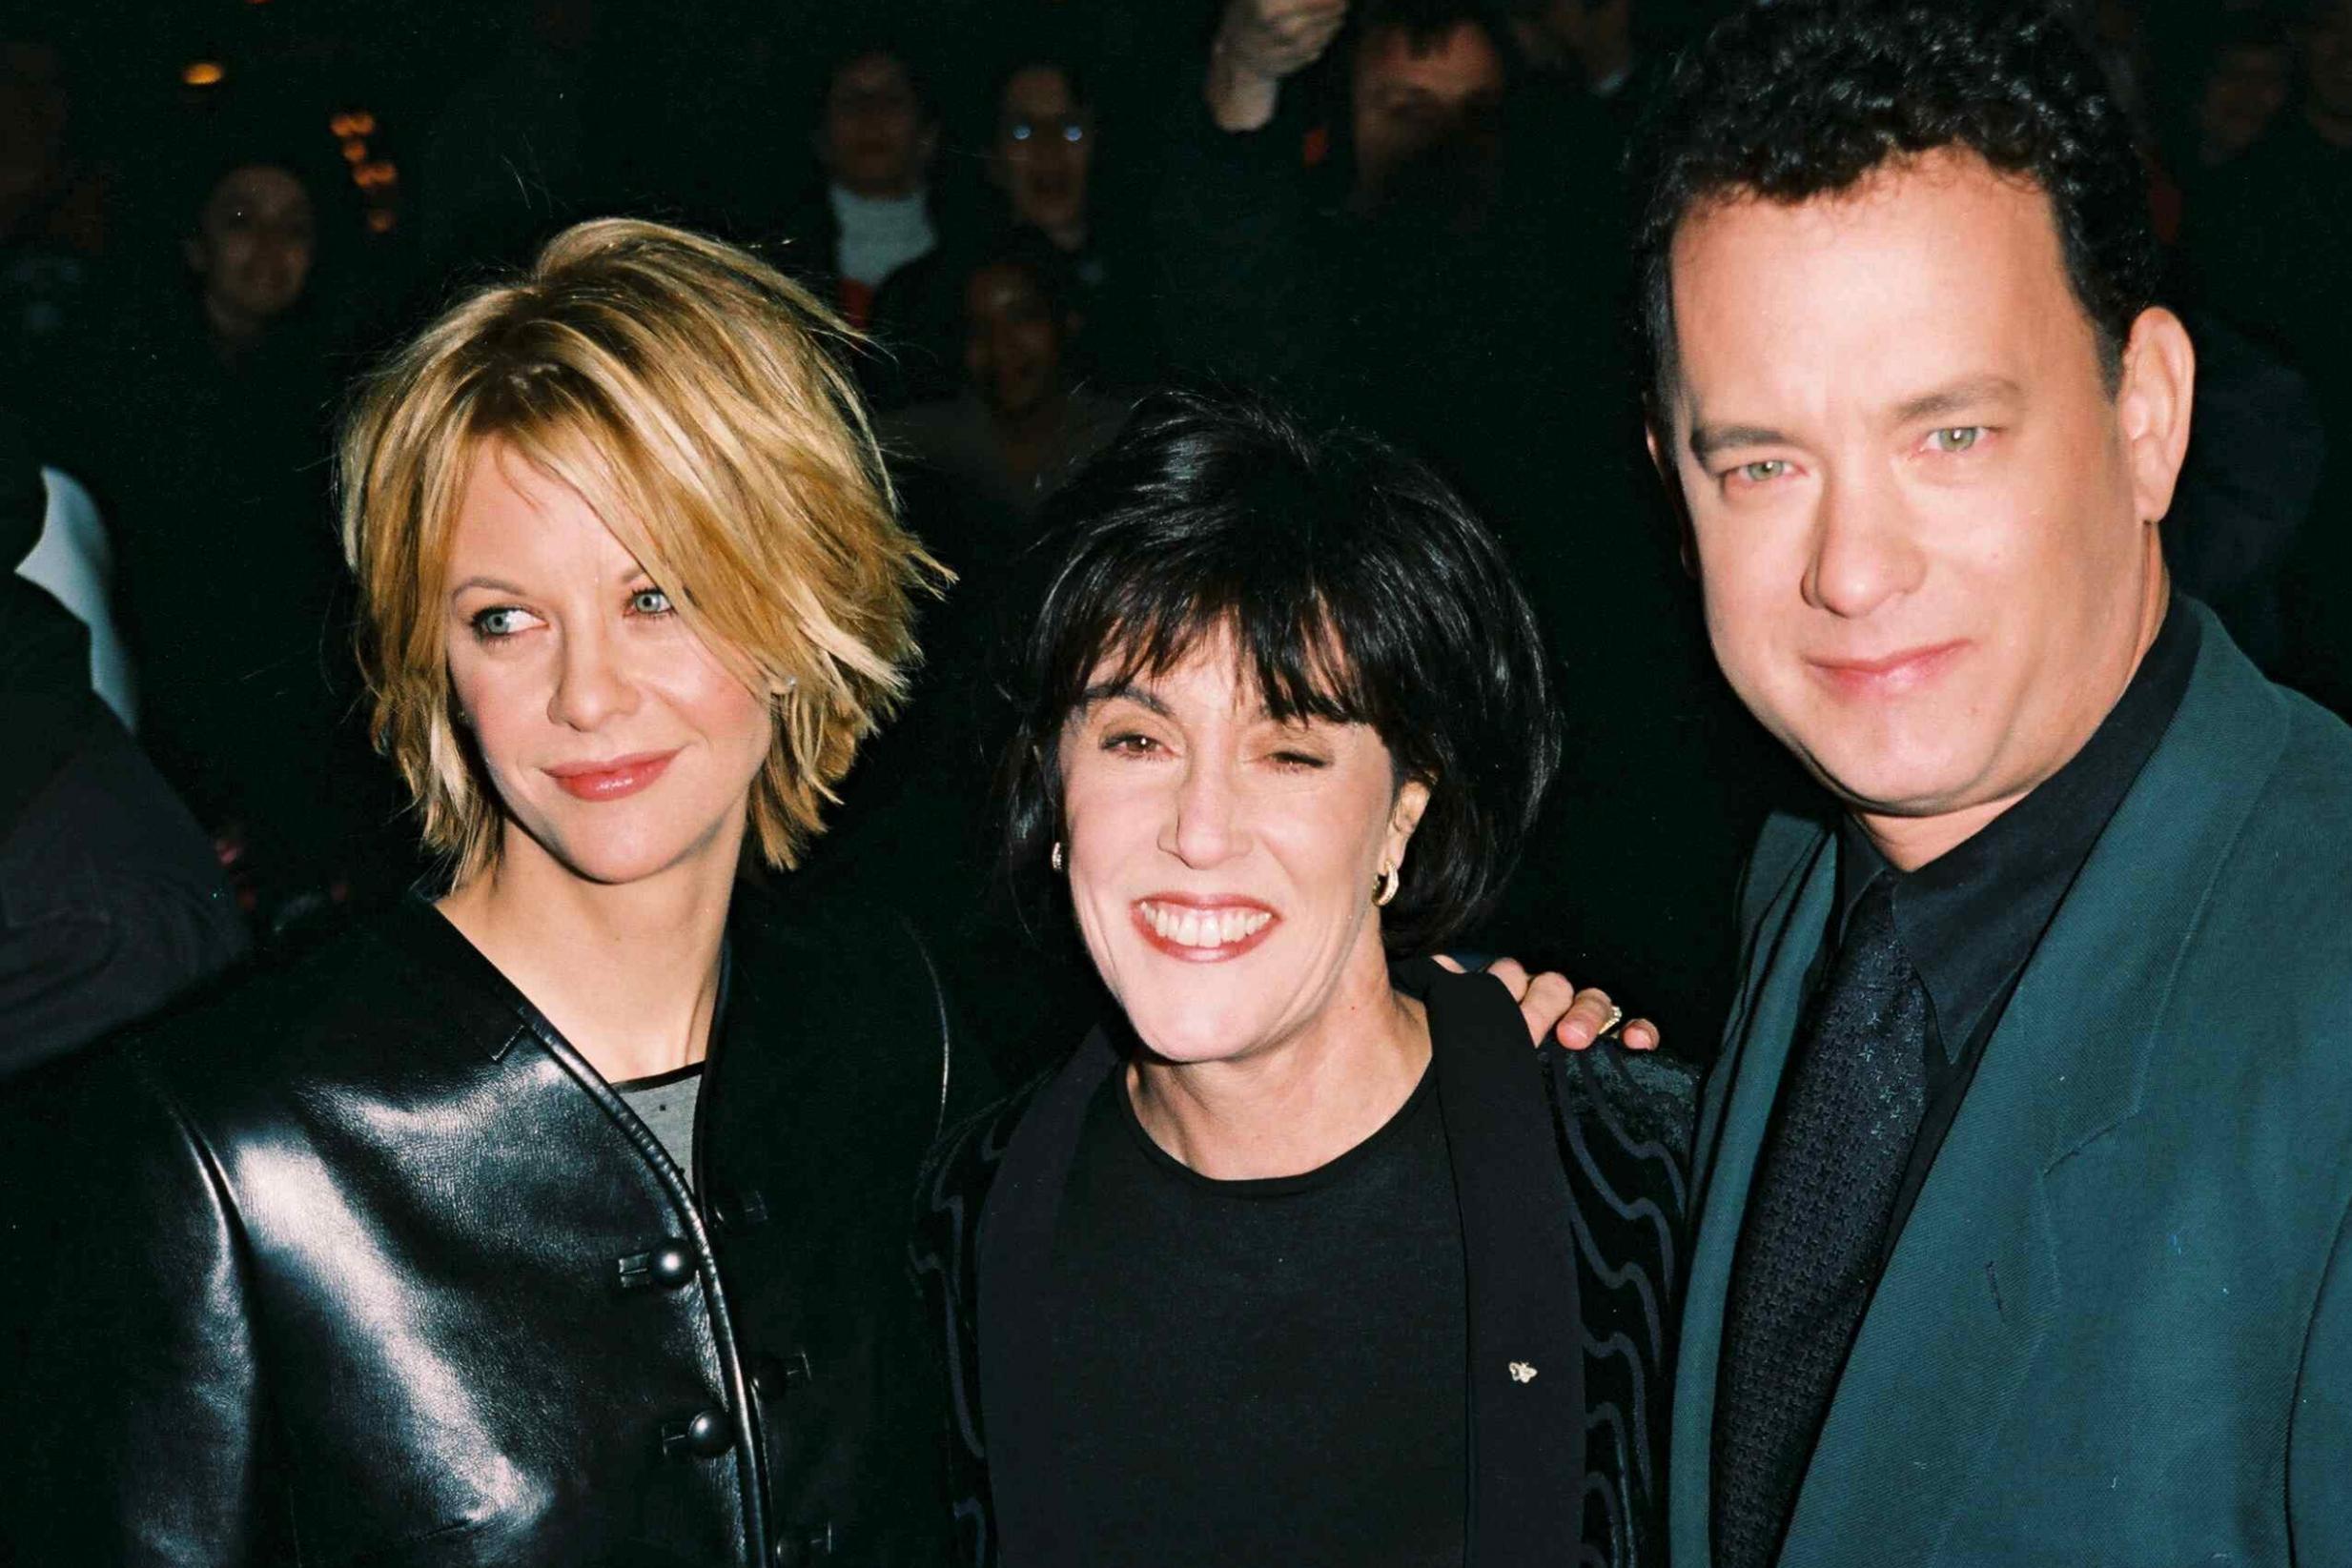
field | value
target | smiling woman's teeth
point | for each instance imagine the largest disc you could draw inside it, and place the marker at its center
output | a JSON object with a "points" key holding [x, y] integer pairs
{"points": [[1204, 928]]}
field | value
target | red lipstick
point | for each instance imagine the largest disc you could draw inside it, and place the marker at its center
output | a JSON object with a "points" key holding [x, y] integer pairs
{"points": [[613, 780], [1198, 928]]}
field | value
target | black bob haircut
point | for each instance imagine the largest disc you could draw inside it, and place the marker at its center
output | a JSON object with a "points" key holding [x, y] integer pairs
{"points": [[1356, 587], [1802, 98]]}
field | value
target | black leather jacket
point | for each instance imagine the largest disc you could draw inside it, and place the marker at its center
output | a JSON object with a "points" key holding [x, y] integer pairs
{"points": [[369, 1265]]}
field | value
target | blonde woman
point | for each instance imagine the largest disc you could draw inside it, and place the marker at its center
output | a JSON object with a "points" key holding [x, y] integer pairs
{"points": [[557, 1219]]}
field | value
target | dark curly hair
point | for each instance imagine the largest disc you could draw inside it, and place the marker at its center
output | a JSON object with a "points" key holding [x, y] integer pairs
{"points": [[1791, 99], [1358, 588]]}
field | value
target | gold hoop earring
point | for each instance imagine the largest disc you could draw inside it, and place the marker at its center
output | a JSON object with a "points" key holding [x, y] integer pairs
{"points": [[1056, 856], [1387, 885]]}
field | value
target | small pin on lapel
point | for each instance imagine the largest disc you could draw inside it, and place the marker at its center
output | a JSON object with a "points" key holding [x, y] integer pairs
{"points": [[1522, 1372]]}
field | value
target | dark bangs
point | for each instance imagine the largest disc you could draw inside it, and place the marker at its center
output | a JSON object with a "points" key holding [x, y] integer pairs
{"points": [[1126, 620], [1354, 586]]}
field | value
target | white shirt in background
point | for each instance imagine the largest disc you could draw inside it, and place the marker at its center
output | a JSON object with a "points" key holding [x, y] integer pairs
{"points": [[74, 561], [879, 234]]}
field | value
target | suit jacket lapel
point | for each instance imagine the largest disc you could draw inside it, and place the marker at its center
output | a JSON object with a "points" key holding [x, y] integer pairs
{"points": [[1519, 1249], [1780, 874], [1974, 1281], [1740, 1095]]}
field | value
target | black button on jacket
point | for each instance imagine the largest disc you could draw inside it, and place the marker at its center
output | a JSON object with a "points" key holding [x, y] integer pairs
{"points": [[361, 1263]]}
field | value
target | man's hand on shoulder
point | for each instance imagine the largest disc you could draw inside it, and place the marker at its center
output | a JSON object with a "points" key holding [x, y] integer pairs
{"points": [[1554, 1009]]}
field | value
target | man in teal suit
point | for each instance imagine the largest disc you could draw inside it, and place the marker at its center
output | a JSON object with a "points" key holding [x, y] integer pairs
{"points": [[2025, 1171]]}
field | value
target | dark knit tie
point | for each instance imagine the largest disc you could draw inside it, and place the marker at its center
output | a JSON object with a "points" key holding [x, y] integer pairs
{"points": [[1809, 1251]]}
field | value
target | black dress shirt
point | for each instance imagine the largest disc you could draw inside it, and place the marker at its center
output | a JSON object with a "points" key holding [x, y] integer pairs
{"points": [[1970, 919]]}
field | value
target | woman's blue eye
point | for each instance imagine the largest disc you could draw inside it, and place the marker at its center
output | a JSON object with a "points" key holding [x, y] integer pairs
{"points": [[498, 620], [649, 602], [1959, 438]]}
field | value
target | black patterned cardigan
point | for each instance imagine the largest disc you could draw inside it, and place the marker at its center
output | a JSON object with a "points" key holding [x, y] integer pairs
{"points": [[1565, 1471]]}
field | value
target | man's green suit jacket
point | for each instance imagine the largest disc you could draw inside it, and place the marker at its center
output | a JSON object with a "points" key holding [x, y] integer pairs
{"points": [[2117, 1327]]}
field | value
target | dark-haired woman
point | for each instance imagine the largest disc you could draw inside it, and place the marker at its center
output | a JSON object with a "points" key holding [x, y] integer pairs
{"points": [[1305, 1257], [204, 431]]}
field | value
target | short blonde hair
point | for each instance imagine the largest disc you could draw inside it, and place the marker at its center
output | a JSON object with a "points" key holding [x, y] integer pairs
{"points": [[690, 395]]}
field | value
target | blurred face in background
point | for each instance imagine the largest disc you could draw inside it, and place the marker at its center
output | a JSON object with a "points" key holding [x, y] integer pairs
{"points": [[876, 139], [252, 248], [1013, 339], [1427, 117], [1221, 863], [1044, 152], [2247, 89], [2328, 69]]}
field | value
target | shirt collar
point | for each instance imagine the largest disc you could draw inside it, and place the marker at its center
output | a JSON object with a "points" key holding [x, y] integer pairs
{"points": [[848, 207], [1970, 917]]}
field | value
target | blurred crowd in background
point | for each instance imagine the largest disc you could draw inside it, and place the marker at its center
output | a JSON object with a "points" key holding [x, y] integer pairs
{"points": [[213, 212]]}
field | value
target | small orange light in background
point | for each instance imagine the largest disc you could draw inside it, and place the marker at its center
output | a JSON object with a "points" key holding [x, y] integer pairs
{"points": [[373, 176], [380, 219], [355, 150], [203, 74], [357, 123]]}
